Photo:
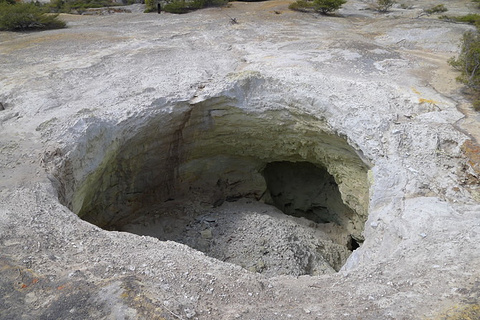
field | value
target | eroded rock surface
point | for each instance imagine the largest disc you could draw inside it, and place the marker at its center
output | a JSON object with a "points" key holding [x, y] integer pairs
{"points": [[148, 123]]}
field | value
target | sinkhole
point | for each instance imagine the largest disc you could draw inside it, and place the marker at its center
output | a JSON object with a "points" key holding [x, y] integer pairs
{"points": [[274, 191]]}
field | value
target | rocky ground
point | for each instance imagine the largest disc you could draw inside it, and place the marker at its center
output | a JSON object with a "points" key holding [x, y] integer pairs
{"points": [[95, 114], [254, 236]]}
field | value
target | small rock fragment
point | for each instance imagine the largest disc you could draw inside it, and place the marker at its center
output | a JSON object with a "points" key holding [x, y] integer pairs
{"points": [[206, 234]]}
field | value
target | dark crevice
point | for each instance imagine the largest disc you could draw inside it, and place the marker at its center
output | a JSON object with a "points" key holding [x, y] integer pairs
{"points": [[352, 244], [301, 189]]}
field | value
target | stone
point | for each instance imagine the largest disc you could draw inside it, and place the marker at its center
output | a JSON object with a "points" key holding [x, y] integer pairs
{"points": [[156, 122], [206, 234]]}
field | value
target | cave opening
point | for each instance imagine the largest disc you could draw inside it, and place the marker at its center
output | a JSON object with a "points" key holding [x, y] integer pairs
{"points": [[301, 189], [225, 182]]}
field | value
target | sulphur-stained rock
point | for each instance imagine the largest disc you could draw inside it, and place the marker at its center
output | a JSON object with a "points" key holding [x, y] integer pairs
{"points": [[289, 165]]}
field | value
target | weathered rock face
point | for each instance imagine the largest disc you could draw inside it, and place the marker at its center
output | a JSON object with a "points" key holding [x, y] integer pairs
{"points": [[201, 154], [210, 152], [186, 128]]}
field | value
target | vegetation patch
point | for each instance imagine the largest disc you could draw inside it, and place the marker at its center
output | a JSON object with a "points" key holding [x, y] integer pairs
{"points": [[185, 6], [77, 6], [436, 9], [384, 5], [406, 6], [27, 16], [150, 6], [472, 18], [322, 6], [302, 6], [468, 63]]}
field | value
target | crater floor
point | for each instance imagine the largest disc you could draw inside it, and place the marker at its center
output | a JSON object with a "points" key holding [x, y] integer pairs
{"points": [[151, 125]]}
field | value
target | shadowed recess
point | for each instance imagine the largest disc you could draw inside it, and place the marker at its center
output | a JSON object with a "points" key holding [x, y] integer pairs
{"points": [[164, 172]]}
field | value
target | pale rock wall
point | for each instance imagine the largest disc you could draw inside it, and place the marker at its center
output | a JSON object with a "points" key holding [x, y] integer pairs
{"points": [[208, 151]]}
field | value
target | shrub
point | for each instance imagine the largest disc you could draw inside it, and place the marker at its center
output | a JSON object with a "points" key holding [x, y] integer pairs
{"points": [[437, 9], [301, 5], [182, 6], [384, 5], [327, 6], [78, 6], [59, 6], [468, 63], [25, 16], [322, 6], [214, 3], [150, 6], [472, 18], [179, 6]]}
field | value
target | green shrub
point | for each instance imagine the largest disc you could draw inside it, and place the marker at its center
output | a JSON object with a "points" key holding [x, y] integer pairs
{"points": [[150, 6], [27, 16], [476, 103], [213, 3], [178, 7], [437, 9], [322, 6], [472, 18], [183, 6], [468, 63], [78, 6], [301, 5], [327, 6], [384, 5]]}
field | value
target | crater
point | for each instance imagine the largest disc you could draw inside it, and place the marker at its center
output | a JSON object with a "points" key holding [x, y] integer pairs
{"points": [[274, 191]]}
